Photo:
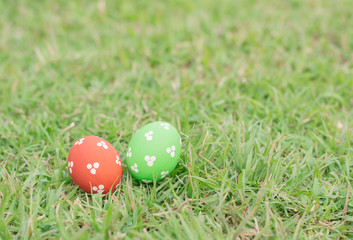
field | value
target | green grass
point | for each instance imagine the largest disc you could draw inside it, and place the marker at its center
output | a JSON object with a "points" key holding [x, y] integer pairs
{"points": [[262, 92]]}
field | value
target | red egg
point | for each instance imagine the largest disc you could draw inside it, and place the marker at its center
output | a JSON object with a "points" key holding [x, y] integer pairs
{"points": [[95, 165]]}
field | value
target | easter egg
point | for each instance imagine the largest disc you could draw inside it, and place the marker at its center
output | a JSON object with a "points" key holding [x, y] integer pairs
{"points": [[153, 152], [95, 165]]}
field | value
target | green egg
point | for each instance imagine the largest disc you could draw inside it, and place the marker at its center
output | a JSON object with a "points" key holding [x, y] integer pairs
{"points": [[153, 152]]}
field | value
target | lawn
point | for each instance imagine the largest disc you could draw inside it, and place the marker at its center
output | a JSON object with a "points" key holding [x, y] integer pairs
{"points": [[261, 92]]}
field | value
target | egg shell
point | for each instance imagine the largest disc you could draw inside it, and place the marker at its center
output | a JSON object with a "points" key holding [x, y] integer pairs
{"points": [[95, 165], [153, 152]]}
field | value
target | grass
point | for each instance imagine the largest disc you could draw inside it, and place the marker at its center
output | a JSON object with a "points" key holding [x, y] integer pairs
{"points": [[262, 92]]}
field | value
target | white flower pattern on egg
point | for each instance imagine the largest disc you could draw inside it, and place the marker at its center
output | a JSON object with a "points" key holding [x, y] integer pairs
{"points": [[70, 165], [102, 144], [129, 153], [118, 160], [171, 151], [80, 141], [134, 168], [149, 135], [101, 188], [165, 125], [93, 169], [150, 160], [164, 173], [98, 189]]}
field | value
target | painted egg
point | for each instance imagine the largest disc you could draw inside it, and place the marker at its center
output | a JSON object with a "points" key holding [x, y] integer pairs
{"points": [[153, 152], [95, 165]]}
